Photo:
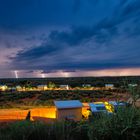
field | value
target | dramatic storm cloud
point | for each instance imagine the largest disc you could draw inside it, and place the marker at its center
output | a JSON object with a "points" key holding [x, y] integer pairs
{"points": [[69, 37]]}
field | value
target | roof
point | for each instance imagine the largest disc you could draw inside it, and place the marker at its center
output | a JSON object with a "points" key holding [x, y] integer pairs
{"points": [[112, 102], [41, 85], [96, 104], [68, 104], [115, 103], [64, 85], [97, 107], [109, 84]]}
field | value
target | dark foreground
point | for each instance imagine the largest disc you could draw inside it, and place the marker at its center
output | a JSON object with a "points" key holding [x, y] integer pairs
{"points": [[124, 125]]}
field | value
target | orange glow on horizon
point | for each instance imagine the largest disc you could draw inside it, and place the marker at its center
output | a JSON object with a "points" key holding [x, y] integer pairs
{"points": [[78, 73], [98, 73]]}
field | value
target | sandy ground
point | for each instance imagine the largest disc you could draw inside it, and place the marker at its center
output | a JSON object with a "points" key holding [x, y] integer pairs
{"points": [[7, 115]]}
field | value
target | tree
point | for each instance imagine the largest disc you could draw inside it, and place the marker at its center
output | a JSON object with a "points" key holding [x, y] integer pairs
{"points": [[51, 85]]}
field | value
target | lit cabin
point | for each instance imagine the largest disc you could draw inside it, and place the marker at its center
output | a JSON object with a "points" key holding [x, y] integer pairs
{"points": [[42, 87], [18, 88], [64, 87], [86, 85], [109, 86], [3, 87], [68, 110]]}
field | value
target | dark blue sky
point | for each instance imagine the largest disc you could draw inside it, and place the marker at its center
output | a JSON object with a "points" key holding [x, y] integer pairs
{"points": [[69, 37]]}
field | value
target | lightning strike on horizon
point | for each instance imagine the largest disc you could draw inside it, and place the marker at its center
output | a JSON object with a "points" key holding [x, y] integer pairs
{"points": [[16, 74]]}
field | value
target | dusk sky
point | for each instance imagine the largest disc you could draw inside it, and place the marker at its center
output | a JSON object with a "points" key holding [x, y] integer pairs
{"points": [[52, 38]]}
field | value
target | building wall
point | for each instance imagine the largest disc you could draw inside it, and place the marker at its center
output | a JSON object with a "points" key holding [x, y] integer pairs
{"points": [[62, 114], [109, 86]]}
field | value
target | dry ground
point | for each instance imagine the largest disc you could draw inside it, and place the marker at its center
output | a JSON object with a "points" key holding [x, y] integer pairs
{"points": [[7, 115]]}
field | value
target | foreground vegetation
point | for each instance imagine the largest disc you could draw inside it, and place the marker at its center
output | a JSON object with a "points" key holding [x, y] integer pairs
{"points": [[124, 125], [46, 98]]}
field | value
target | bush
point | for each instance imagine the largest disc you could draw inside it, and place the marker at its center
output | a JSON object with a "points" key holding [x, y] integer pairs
{"points": [[124, 125], [39, 131]]}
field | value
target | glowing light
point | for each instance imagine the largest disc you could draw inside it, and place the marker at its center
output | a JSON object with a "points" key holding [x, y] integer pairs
{"points": [[43, 75], [3, 88], [16, 74], [66, 74], [63, 74]]}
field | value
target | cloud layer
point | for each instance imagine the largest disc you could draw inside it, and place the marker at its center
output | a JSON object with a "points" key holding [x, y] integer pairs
{"points": [[60, 36]]}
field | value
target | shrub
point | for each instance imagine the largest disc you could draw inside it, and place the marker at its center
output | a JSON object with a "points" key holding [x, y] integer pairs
{"points": [[124, 125]]}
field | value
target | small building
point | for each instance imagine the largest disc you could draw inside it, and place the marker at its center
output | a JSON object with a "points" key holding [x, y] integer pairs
{"points": [[42, 87], [18, 88], [64, 87], [116, 104], [13, 89], [86, 85], [109, 86], [98, 108], [132, 85], [68, 110], [3, 87]]}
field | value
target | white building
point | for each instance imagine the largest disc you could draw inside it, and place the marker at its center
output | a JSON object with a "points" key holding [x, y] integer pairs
{"points": [[68, 110], [3, 87], [42, 87], [132, 85], [86, 85], [109, 86], [64, 87], [18, 88]]}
